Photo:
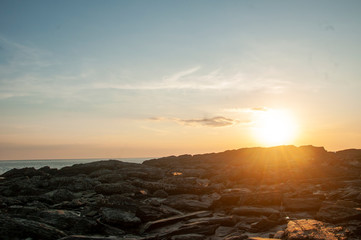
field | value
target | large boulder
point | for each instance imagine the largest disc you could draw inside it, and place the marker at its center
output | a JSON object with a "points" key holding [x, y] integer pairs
{"points": [[302, 204], [154, 186], [254, 211], [262, 198], [220, 220], [338, 213], [69, 221], [111, 178], [75, 184], [150, 213], [171, 220], [60, 195], [119, 217], [22, 173], [119, 201], [88, 168], [191, 236], [232, 196], [115, 188], [65, 220], [309, 229], [187, 202], [18, 228]]}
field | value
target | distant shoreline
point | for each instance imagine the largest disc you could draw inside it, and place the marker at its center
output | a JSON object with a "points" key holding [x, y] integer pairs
{"points": [[6, 165]]}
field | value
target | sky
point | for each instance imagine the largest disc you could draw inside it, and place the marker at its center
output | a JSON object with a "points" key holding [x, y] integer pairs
{"points": [[82, 79]]}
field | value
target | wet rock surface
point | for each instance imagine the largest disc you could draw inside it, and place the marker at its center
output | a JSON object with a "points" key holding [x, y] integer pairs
{"points": [[258, 193]]}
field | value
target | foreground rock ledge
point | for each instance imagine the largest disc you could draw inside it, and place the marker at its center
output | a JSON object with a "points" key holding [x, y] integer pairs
{"points": [[258, 193]]}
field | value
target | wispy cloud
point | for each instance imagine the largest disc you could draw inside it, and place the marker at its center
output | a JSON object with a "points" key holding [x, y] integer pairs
{"points": [[210, 122], [247, 110], [22, 55], [29, 71], [195, 78], [176, 77], [218, 121]]}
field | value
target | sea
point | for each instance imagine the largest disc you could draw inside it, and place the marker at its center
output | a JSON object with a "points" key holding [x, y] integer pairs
{"points": [[6, 165]]}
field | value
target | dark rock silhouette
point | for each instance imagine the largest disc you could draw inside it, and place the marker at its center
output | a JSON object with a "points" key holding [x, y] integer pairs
{"points": [[283, 192]]}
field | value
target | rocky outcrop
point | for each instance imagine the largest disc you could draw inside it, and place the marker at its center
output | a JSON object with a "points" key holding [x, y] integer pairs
{"points": [[257, 193], [314, 230], [335, 213]]}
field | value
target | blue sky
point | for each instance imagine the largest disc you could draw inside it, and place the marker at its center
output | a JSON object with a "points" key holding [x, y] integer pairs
{"points": [[122, 78]]}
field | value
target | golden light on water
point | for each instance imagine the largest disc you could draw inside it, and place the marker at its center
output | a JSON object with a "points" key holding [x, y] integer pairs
{"points": [[274, 127]]}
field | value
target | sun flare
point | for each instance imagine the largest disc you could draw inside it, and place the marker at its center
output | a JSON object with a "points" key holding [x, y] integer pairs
{"points": [[274, 127]]}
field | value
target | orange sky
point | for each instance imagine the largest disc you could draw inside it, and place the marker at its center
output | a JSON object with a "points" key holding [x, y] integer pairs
{"points": [[140, 79]]}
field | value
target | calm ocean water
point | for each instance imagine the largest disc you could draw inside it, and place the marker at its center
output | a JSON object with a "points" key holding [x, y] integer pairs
{"points": [[6, 165]]}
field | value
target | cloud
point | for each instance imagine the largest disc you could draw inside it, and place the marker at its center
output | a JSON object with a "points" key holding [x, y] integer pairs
{"points": [[196, 78], [247, 110], [179, 75], [263, 109], [208, 122], [23, 56]]}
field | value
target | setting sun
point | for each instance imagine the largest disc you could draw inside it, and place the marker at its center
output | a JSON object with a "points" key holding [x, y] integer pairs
{"points": [[274, 127]]}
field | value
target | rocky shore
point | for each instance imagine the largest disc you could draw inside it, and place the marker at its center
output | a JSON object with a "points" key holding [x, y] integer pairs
{"points": [[283, 192]]}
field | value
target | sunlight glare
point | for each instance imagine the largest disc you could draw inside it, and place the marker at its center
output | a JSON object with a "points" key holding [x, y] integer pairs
{"points": [[274, 127]]}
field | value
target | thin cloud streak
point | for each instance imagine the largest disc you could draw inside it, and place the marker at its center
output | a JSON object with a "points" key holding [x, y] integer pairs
{"points": [[247, 110], [23, 55], [22, 75], [191, 79], [218, 121]]}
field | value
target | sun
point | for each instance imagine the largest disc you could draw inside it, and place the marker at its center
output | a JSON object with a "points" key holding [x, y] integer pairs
{"points": [[274, 127]]}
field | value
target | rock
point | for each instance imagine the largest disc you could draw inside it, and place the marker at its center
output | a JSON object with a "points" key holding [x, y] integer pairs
{"points": [[73, 204], [69, 221], [18, 228], [120, 202], [119, 217], [256, 211], [351, 194], [337, 213], [88, 168], [186, 185], [279, 234], [222, 231], [263, 225], [75, 184], [187, 202], [21, 187], [243, 192], [166, 221], [21, 173], [100, 172], [191, 228], [232, 196], [154, 186], [263, 198], [160, 194], [358, 198], [302, 204], [150, 213], [345, 203], [115, 188], [222, 221], [309, 229], [82, 184], [188, 237], [60, 195], [111, 178], [261, 238], [83, 237], [239, 237]]}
